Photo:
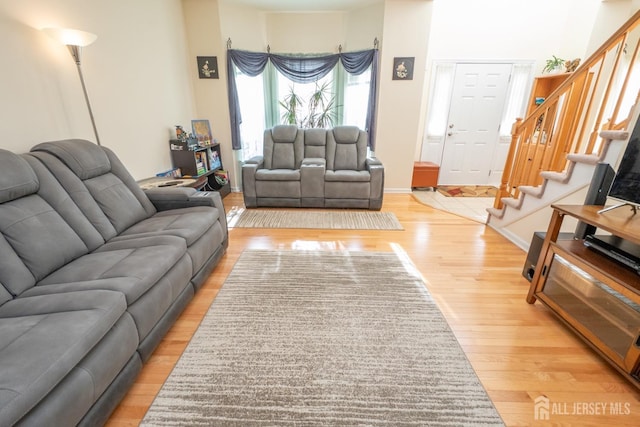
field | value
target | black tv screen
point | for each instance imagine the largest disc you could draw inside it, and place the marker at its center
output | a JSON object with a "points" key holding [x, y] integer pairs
{"points": [[626, 184]]}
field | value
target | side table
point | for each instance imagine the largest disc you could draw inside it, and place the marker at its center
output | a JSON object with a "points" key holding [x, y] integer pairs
{"points": [[425, 174]]}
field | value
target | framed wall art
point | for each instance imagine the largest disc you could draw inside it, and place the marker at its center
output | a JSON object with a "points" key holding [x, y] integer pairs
{"points": [[207, 67], [403, 68]]}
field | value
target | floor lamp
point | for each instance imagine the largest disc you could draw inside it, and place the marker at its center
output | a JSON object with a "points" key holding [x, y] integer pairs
{"points": [[75, 40]]}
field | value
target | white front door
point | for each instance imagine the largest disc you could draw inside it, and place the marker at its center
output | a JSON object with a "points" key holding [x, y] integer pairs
{"points": [[477, 104]]}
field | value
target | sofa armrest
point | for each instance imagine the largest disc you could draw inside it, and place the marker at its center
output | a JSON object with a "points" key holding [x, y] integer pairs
{"points": [[314, 161], [312, 173], [376, 170], [249, 169], [180, 197], [371, 161], [255, 160]]}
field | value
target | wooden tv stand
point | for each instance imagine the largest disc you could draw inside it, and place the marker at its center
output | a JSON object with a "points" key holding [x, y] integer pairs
{"points": [[595, 296]]}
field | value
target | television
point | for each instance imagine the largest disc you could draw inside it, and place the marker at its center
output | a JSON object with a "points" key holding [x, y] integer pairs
{"points": [[626, 183]]}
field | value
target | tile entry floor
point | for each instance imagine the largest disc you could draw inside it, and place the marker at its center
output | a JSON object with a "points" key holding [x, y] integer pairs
{"points": [[473, 208]]}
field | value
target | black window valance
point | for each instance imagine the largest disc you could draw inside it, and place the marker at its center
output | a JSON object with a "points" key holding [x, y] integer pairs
{"points": [[300, 69]]}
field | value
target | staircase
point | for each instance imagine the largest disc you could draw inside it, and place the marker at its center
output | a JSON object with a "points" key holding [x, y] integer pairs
{"points": [[555, 149], [558, 185]]}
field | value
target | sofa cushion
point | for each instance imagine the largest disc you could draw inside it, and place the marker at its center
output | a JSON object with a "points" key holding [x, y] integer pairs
{"points": [[107, 363], [279, 189], [17, 179], [5, 295], [315, 143], [103, 189], [283, 147], [39, 236], [130, 266], [277, 175], [116, 200], [188, 223], [43, 338], [149, 271], [199, 226], [85, 159], [347, 176], [55, 195], [346, 148]]}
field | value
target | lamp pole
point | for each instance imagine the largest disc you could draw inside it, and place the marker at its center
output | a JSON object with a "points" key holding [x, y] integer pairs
{"points": [[76, 52]]}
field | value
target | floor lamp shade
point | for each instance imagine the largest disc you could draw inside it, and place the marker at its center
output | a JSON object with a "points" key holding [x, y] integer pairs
{"points": [[70, 37], [75, 40]]}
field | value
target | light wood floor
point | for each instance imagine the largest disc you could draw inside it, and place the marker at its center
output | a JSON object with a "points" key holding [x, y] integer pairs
{"points": [[519, 351]]}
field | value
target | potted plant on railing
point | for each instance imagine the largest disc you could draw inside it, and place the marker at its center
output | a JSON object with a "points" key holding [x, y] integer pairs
{"points": [[554, 65]]}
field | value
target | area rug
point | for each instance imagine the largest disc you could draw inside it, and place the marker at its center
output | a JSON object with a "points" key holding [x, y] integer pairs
{"points": [[323, 338], [306, 218], [467, 190]]}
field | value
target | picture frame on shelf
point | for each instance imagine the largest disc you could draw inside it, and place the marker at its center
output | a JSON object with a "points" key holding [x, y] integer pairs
{"points": [[214, 159], [202, 131]]}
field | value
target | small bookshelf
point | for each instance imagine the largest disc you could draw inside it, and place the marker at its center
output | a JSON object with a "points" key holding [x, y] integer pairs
{"points": [[197, 161]]}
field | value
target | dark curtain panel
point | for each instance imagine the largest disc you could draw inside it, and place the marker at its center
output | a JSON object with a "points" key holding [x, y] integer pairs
{"points": [[300, 69]]}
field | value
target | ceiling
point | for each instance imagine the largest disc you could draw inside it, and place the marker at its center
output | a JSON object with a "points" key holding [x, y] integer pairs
{"points": [[306, 5]]}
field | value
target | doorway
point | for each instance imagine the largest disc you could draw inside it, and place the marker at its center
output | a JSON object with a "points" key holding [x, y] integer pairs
{"points": [[477, 103]]}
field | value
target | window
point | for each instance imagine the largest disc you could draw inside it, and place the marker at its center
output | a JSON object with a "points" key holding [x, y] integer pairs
{"points": [[301, 68], [251, 98], [519, 89], [303, 92], [356, 98]]}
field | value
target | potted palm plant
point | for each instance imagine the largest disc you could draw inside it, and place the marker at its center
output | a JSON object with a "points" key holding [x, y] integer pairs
{"points": [[321, 108]]}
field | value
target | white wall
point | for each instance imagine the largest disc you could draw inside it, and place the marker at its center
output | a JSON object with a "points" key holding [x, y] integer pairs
{"points": [[611, 16], [135, 75], [406, 34], [364, 25], [511, 29], [245, 26], [314, 32], [204, 38]]}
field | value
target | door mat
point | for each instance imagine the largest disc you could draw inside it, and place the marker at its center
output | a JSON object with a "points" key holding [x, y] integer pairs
{"points": [[468, 190]]}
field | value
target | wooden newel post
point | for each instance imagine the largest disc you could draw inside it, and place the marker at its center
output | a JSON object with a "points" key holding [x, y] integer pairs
{"points": [[508, 167]]}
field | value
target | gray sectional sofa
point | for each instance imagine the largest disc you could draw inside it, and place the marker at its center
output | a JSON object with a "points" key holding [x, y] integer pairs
{"points": [[93, 272], [318, 168]]}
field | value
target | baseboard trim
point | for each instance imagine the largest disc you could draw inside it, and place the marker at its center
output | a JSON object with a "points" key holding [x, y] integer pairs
{"points": [[397, 190]]}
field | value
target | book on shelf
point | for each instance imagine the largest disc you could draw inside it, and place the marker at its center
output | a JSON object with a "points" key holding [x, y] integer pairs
{"points": [[201, 157], [214, 160]]}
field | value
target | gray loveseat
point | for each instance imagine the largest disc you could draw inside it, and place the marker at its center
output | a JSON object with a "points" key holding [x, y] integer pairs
{"points": [[93, 272], [319, 168]]}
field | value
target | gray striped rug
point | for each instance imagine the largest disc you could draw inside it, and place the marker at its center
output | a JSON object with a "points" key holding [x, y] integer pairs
{"points": [[323, 338], [305, 218]]}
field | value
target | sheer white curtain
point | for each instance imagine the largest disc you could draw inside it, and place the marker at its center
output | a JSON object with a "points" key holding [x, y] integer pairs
{"points": [[516, 103], [253, 103], [356, 95], [251, 99], [442, 84]]}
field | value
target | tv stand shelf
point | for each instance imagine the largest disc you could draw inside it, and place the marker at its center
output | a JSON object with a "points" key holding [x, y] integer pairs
{"points": [[595, 296]]}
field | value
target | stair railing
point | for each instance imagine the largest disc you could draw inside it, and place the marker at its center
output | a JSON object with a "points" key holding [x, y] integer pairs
{"points": [[598, 96]]}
